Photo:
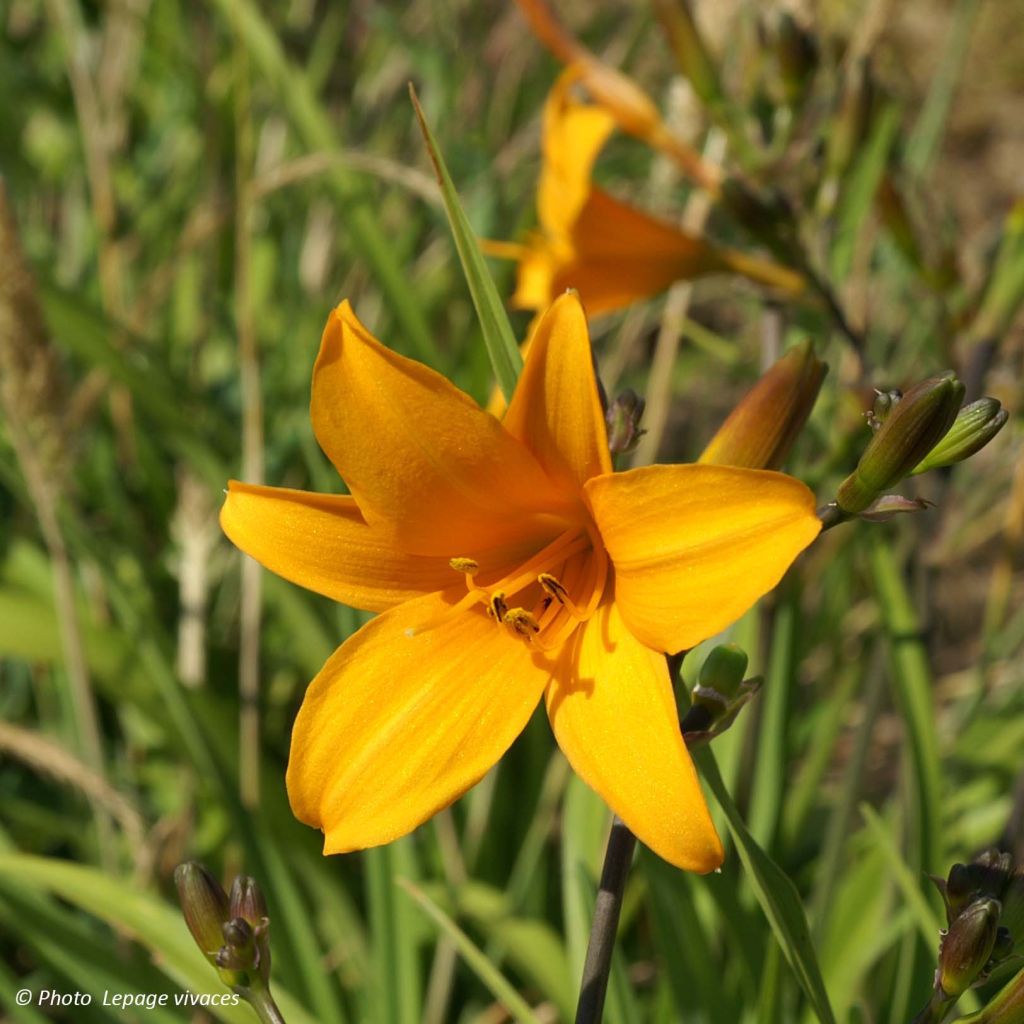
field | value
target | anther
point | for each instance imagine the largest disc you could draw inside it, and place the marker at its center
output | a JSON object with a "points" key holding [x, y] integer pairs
{"points": [[497, 608], [466, 565], [521, 622], [554, 588]]}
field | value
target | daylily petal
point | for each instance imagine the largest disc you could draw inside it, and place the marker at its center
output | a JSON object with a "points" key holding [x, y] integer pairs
{"points": [[424, 462], [573, 135], [556, 410], [397, 726], [623, 254], [695, 546], [322, 542], [614, 715]]}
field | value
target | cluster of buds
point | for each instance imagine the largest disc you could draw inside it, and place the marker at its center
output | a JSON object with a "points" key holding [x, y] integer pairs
{"points": [[232, 932], [924, 429], [985, 922], [720, 693]]}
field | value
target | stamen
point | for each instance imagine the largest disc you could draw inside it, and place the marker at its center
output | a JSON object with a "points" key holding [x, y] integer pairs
{"points": [[496, 607], [463, 604], [555, 589], [521, 622], [465, 565], [562, 547]]}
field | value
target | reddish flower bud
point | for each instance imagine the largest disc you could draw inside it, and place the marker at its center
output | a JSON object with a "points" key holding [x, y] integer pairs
{"points": [[761, 430]]}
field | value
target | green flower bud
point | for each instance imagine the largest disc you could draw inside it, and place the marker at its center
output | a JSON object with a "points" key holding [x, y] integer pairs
{"points": [[623, 419], [913, 428], [760, 432], [967, 946], [720, 693], [204, 905], [975, 425], [723, 670]]}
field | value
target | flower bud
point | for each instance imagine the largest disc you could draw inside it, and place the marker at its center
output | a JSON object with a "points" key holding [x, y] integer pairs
{"points": [[247, 901], [975, 425], [249, 908], [723, 670], [623, 419], [761, 430], [720, 693], [911, 430], [204, 905], [967, 946]]}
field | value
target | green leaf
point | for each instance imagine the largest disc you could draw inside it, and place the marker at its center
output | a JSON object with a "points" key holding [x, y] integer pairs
{"points": [[396, 994], [775, 892], [912, 682], [497, 331], [497, 984], [152, 922], [533, 948]]}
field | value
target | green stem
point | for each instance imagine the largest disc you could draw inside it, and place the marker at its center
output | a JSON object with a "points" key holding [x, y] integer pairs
{"points": [[263, 1003]]}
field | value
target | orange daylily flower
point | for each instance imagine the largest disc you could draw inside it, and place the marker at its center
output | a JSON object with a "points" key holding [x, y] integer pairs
{"points": [[611, 252], [509, 564]]}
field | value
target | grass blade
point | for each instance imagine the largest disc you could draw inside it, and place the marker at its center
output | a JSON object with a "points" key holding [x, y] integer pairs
{"points": [[497, 331], [775, 892], [497, 984]]}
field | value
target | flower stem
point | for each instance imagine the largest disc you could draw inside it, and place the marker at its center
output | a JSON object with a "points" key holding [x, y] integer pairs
{"points": [[263, 1003], [618, 856]]}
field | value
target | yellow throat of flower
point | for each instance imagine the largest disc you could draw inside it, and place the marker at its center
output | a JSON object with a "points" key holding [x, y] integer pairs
{"points": [[544, 599]]}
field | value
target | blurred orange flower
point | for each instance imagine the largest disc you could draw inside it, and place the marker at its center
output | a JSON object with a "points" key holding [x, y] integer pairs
{"points": [[611, 252], [509, 563]]}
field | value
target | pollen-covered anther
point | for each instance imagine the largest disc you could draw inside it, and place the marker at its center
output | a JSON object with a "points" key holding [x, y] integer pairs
{"points": [[496, 607], [521, 622], [466, 565], [554, 588]]}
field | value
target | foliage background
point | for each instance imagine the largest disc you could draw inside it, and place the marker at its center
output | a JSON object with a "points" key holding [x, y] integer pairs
{"points": [[195, 186]]}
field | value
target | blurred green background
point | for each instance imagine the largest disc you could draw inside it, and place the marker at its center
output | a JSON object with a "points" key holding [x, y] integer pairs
{"points": [[195, 185]]}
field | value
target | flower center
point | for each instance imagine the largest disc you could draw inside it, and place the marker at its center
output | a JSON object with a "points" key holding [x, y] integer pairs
{"points": [[545, 598]]}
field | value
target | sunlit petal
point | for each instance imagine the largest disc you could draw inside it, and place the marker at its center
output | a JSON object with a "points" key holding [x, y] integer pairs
{"points": [[322, 542], [612, 709], [695, 546], [400, 722], [424, 462], [573, 135], [556, 410]]}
